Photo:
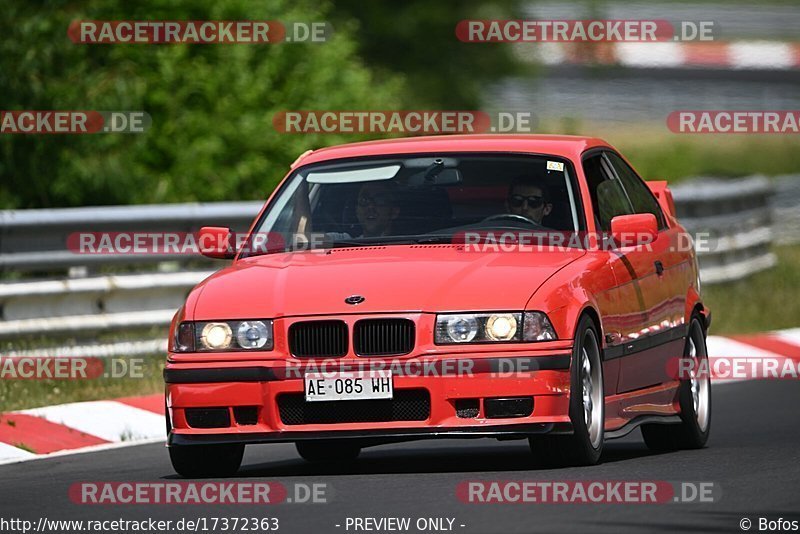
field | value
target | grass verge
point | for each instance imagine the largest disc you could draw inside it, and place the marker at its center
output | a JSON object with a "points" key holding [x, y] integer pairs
{"points": [[22, 394], [765, 301]]}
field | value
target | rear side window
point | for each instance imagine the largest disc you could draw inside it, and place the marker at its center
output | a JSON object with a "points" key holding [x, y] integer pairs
{"points": [[641, 197], [608, 197]]}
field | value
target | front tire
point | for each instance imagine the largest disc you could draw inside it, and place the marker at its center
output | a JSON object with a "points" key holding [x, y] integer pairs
{"points": [[694, 395], [205, 461], [586, 406]]}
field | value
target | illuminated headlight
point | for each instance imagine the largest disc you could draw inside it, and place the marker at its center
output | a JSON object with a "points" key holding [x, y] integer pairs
{"points": [[216, 336], [492, 327], [501, 327], [223, 336]]}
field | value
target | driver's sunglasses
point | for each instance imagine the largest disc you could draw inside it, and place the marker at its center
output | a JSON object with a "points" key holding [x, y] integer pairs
{"points": [[380, 201], [534, 202]]}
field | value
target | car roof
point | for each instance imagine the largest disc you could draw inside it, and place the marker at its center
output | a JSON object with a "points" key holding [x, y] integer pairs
{"points": [[567, 146]]}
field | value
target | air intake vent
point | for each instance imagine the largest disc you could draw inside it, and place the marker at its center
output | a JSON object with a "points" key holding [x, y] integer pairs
{"points": [[383, 337], [407, 405], [318, 339]]}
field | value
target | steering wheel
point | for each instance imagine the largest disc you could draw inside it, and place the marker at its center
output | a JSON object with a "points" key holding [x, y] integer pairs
{"points": [[513, 217]]}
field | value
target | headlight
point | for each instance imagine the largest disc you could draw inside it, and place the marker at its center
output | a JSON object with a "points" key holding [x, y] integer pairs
{"points": [[456, 328], [216, 336], [223, 336], [252, 334], [501, 327], [461, 328]]}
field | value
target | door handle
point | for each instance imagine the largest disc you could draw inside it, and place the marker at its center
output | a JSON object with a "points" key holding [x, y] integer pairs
{"points": [[659, 267]]}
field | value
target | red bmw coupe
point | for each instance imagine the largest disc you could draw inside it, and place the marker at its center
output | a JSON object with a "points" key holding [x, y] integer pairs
{"points": [[514, 287]]}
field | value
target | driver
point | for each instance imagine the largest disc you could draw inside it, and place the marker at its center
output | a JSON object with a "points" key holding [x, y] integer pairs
{"points": [[528, 198]]}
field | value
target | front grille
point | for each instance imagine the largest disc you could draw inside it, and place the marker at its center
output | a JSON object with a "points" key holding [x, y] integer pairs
{"points": [[383, 337], [407, 405], [318, 339]]}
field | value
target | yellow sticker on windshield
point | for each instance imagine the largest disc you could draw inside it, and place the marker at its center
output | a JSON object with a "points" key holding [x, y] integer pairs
{"points": [[555, 166]]}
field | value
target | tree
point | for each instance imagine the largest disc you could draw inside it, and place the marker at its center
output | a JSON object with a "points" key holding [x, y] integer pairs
{"points": [[211, 105], [417, 38]]}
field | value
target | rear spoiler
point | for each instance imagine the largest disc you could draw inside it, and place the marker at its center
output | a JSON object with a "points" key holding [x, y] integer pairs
{"points": [[661, 190]]}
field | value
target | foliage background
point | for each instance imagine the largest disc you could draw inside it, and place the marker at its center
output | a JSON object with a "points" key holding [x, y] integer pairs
{"points": [[212, 137]]}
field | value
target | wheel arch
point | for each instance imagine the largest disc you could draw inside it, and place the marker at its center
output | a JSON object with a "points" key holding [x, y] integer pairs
{"points": [[591, 312]]}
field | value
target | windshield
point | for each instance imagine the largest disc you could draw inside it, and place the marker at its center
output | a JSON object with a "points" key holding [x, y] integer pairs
{"points": [[418, 199]]}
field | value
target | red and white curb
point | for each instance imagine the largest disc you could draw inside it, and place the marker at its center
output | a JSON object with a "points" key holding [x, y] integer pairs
{"points": [[96, 425], [733, 55], [80, 426]]}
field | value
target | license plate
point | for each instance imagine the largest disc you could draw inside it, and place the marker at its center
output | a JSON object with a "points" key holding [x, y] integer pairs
{"points": [[348, 386]]}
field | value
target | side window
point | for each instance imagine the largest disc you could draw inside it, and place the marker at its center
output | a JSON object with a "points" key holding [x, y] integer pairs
{"points": [[640, 195], [608, 197]]}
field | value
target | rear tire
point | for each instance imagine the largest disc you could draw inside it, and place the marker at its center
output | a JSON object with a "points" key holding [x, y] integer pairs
{"points": [[205, 461], [586, 407], [694, 395], [326, 452]]}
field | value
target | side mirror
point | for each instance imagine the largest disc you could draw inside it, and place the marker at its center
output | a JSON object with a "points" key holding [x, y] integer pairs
{"points": [[215, 242], [634, 230]]}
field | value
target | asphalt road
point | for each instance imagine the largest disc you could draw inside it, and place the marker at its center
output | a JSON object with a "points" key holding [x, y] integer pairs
{"points": [[753, 457]]}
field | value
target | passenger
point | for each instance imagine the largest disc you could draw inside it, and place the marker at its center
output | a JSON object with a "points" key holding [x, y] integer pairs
{"points": [[376, 209]]}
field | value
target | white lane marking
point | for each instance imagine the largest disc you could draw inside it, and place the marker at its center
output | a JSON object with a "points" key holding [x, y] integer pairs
{"points": [[11, 453], [109, 420], [723, 347], [82, 450]]}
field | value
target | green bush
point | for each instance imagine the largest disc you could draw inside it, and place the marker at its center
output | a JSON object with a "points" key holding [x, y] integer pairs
{"points": [[211, 105]]}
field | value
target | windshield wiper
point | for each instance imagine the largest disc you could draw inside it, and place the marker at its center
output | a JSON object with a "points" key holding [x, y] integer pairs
{"points": [[391, 240], [434, 239]]}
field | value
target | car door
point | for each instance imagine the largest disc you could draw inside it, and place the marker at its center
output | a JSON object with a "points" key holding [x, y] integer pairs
{"points": [[610, 200], [621, 307], [658, 272]]}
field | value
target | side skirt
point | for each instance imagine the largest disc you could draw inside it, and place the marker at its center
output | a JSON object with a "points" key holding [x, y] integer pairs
{"points": [[631, 425]]}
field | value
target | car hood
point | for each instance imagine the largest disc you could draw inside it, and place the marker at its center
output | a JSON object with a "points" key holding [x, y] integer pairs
{"points": [[425, 278]]}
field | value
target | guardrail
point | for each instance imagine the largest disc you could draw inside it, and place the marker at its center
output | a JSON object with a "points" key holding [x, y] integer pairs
{"points": [[127, 313], [734, 217], [785, 205]]}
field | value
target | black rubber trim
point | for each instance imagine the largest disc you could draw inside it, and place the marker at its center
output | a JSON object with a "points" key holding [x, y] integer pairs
{"points": [[266, 374], [634, 423], [645, 343], [534, 363], [225, 374], [520, 430]]}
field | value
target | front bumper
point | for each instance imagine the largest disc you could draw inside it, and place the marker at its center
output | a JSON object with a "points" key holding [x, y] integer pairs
{"points": [[263, 387]]}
